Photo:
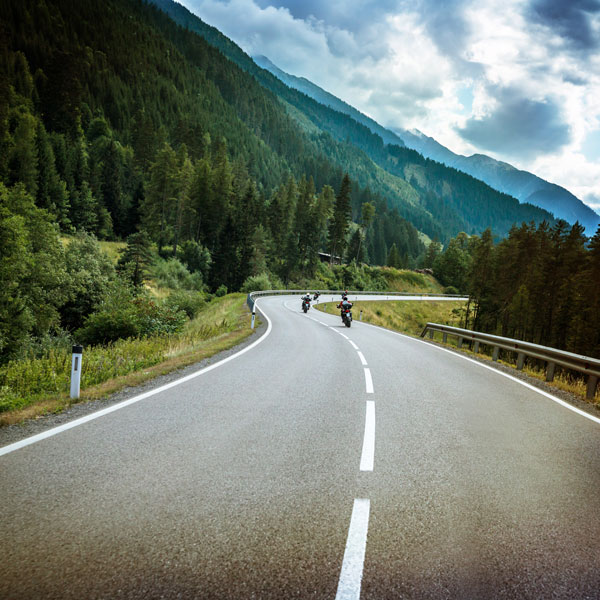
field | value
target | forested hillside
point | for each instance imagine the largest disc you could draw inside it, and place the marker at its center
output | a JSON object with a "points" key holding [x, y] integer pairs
{"points": [[443, 202], [118, 123], [539, 284]]}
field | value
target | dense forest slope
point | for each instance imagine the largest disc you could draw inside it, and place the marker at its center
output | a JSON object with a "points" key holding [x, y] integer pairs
{"points": [[501, 176], [437, 199], [92, 92]]}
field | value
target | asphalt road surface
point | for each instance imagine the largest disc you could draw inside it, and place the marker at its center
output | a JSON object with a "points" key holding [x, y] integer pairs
{"points": [[323, 462]]}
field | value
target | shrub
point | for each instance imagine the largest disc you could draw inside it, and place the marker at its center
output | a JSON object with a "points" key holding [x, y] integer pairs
{"points": [[189, 302], [195, 257], [221, 291], [123, 315], [450, 290], [255, 283], [172, 274]]}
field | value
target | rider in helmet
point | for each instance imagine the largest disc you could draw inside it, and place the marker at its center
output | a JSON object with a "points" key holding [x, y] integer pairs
{"points": [[344, 305]]}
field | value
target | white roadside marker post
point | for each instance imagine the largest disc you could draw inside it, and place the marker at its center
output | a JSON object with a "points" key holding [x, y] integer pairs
{"points": [[76, 371], [253, 317]]}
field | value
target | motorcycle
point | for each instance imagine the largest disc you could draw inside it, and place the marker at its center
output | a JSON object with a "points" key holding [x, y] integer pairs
{"points": [[347, 316], [316, 296], [305, 304]]}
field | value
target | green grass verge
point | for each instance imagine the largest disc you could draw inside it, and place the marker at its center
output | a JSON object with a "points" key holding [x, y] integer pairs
{"points": [[29, 388], [406, 316]]}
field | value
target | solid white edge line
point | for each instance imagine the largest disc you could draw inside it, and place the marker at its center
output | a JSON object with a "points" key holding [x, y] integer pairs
{"points": [[368, 380], [55, 430], [368, 450], [484, 366], [354, 555], [353, 344], [361, 356]]}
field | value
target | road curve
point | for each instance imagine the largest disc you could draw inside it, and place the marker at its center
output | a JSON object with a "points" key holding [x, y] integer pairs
{"points": [[324, 462]]}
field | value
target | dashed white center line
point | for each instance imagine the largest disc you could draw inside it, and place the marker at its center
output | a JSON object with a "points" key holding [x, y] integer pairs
{"points": [[354, 555], [368, 380], [362, 359], [353, 344], [368, 450]]}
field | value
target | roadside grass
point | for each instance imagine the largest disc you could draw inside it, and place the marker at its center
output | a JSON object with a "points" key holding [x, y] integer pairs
{"points": [[405, 316], [30, 388], [112, 249], [410, 317], [403, 280]]}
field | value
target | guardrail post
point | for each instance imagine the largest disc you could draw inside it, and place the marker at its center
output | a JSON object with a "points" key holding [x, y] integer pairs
{"points": [[431, 334], [520, 361], [550, 371], [495, 353], [445, 337], [476, 347], [592, 383], [76, 370], [459, 343]]}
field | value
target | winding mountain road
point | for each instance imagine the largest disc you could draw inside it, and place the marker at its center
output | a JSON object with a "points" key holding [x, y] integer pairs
{"points": [[322, 462]]}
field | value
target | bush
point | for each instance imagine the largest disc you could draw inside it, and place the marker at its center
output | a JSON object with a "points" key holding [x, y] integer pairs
{"points": [[123, 315], [254, 283], [221, 291], [195, 257], [189, 302], [172, 274], [450, 290]]}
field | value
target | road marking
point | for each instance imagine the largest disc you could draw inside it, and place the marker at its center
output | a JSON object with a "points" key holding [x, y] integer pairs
{"points": [[368, 380], [362, 360], [54, 431], [354, 555], [344, 336], [368, 450], [515, 379], [353, 344]]}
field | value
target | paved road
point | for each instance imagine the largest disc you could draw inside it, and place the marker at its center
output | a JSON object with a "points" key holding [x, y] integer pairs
{"points": [[296, 469]]}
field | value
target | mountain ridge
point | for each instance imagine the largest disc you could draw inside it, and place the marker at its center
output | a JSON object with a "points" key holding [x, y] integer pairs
{"points": [[502, 176]]}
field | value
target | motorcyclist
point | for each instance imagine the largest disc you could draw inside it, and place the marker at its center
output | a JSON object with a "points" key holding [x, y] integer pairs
{"points": [[344, 305], [316, 295], [306, 300]]}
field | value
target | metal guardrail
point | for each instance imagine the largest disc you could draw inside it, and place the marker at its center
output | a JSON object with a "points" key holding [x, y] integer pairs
{"points": [[552, 356]]}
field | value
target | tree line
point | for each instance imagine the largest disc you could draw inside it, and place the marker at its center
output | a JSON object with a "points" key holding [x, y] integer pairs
{"points": [[540, 284]]}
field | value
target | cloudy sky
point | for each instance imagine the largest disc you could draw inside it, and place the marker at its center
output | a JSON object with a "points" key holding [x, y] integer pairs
{"points": [[518, 80]]}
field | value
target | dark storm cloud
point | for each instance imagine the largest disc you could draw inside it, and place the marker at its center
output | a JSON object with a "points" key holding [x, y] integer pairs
{"points": [[570, 19], [519, 127]]}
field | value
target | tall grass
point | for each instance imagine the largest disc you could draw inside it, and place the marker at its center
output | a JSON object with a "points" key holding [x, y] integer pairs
{"points": [[25, 382]]}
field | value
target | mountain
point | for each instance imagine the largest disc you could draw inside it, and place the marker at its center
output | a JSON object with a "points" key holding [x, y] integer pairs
{"points": [[439, 200], [502, 176], [320, 95], [525, 186], [114, 119]]}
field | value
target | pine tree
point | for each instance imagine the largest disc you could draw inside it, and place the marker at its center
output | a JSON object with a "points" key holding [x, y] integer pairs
{"points": [[157, 207], [136, 258], [340, 222]]}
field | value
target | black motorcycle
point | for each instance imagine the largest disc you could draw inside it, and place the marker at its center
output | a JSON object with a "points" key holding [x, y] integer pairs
{"points": [[305, 304], [347, 315]]}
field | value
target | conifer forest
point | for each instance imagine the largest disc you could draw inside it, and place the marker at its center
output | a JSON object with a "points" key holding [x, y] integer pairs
{"points": [[119, 125]]}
